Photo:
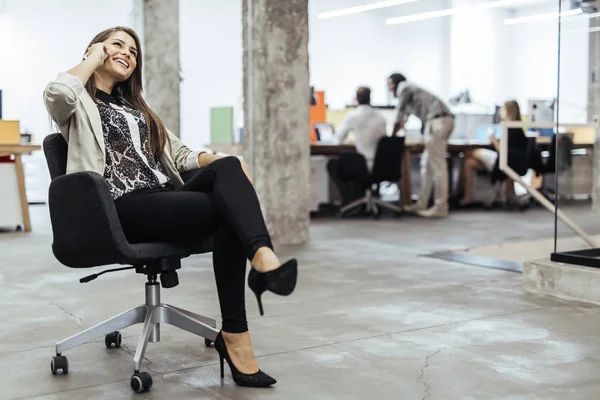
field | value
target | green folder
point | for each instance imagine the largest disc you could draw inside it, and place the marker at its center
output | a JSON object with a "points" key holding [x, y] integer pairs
{"points": [[221, 125]]}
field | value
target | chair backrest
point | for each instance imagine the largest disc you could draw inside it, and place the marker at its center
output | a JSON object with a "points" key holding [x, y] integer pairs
{"points": [[388, 159], [55, 150], [562, 145]]}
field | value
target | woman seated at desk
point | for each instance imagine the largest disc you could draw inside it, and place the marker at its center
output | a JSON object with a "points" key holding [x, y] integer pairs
{"points": [[487, 160]]}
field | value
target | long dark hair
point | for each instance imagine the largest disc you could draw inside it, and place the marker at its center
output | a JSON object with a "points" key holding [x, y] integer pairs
{"points": [[397, 78], [513, 111], [130, 92]]}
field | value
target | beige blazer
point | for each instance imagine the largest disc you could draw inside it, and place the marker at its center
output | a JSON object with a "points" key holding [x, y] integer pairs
{"points": [[78, 119]]}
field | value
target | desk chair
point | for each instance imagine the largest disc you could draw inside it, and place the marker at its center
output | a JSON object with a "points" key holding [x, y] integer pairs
{"points": [[520, 161], [559, 160], [386, 168], [87, 233]]}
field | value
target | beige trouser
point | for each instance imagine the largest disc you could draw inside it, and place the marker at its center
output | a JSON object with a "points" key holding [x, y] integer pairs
{"points": [[434, 169]]}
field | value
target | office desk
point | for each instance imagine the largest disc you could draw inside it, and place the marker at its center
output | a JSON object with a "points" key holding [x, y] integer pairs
{"points": [[17, 151], [413, 145]]}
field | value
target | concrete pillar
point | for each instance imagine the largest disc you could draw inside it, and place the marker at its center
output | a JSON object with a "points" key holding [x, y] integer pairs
{"points": [[161, 60], [276, 113], [594, 103]]}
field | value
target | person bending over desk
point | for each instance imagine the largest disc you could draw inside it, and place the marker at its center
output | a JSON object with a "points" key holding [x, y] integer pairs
{"points": [[487, 160], [111, 130], [438, 123], [368, 126]]}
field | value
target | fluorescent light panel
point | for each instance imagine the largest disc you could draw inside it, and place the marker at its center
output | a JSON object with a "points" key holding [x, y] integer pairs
{"points": [[366, 7], [541, 17], [449, 11]]}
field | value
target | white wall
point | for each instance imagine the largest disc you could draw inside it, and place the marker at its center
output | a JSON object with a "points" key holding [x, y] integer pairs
{"points": [[499, 62], [480, 55], [211, 52], [361, 49], [40, 39], [535, 51]]}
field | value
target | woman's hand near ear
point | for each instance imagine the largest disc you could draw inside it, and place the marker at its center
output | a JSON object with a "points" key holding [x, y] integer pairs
{"points": [[98, 52], [94, 58]]}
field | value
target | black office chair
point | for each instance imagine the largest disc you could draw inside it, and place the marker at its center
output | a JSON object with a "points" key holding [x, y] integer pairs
{"points": [[559, 159], [87, 233], [387, 167], [519, 160]]}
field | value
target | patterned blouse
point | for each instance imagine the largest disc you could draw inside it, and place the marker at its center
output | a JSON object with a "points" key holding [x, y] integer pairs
{"points": [[130, 165]]}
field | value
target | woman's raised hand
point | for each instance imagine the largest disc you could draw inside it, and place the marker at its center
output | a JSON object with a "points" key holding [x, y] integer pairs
{"points": [[97, 52]]}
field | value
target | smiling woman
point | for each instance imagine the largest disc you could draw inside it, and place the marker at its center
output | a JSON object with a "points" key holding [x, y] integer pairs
{"points": [[111, 130], [119, 51]]}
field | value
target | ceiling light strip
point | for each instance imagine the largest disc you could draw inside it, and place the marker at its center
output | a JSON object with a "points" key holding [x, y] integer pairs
{"points": [[366, 7], [541, 17], [448, 12]]}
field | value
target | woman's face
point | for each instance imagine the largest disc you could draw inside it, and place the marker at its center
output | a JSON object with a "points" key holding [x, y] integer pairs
{"points": [[122, 56], [391, 86], [503, 114]]}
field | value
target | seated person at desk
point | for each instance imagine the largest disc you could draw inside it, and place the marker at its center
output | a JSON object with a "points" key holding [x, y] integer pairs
{"points": [[487, 160], [438, 123], [111, 130], [368, 127]]}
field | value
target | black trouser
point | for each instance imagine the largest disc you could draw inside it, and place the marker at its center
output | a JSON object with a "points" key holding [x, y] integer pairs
{"points": [[349, 173], [219, 200]]}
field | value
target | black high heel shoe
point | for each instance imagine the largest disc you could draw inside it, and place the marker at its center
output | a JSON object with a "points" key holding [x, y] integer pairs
{"points": [[257, 379], [281, 281]]}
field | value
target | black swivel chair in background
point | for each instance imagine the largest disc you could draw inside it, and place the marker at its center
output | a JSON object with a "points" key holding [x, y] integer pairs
{"points": [[386, 168], [557, 160], [520, 161], [87, 233]]}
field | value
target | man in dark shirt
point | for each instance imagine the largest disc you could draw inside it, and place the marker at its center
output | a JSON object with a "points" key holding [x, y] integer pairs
{"points": [[438, 123]]}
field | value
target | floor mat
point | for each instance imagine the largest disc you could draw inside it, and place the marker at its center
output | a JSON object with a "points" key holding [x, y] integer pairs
{"points": [[511, 255], [478, 261]]}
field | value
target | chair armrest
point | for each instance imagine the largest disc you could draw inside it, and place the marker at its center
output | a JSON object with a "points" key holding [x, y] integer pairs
{"points": [[86, 228]]}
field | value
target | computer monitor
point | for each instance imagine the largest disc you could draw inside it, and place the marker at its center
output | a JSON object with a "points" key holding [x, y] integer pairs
{"points": [[325, 133], [541, 111]]}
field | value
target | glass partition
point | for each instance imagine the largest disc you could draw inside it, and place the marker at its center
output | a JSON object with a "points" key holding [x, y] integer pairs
{"points": [[570, 160]]}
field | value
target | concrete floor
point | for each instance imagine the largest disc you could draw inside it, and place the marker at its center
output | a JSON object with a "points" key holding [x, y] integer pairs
{"points": [[370, 319]]}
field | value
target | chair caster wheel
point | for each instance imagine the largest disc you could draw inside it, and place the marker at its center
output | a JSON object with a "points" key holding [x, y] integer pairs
{"points": [[19, 228], [141, 382], [59, 362], [114, 338], [208, 342]]}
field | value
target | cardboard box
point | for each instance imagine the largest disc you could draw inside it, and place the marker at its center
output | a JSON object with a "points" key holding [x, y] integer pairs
{"points": [[9, 132]]}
